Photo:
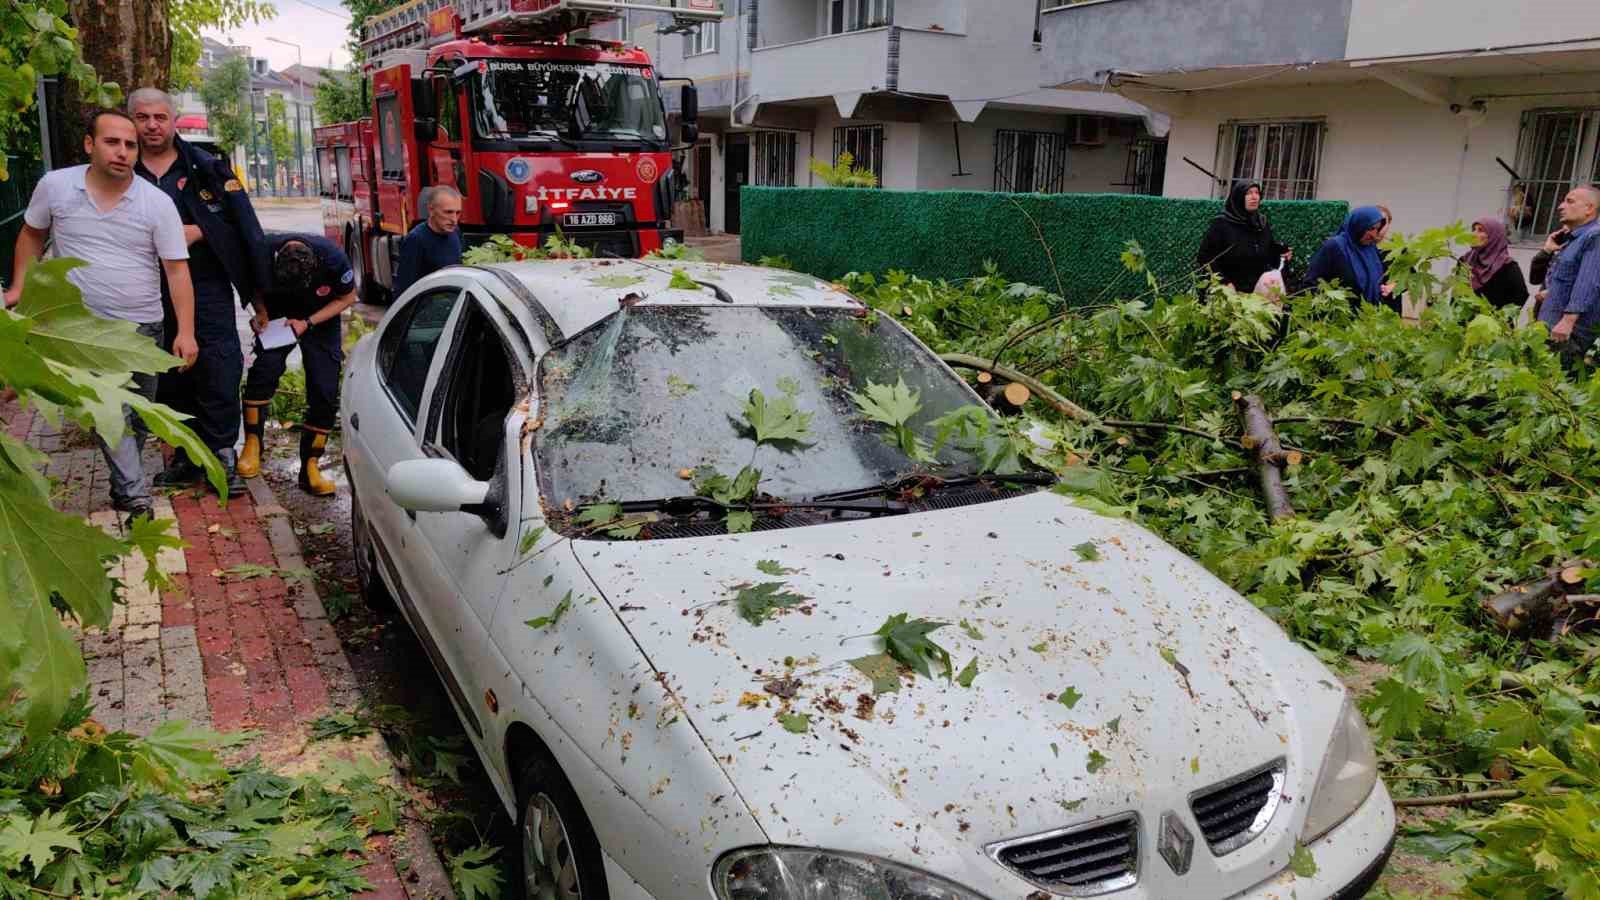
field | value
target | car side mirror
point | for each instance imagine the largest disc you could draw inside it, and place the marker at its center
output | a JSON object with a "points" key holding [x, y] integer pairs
{"points": [[434, 485], [689, 104]]}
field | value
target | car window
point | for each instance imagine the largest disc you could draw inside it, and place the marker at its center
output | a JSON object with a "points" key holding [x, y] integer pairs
{"points": [[405, 351], [478, 391]]}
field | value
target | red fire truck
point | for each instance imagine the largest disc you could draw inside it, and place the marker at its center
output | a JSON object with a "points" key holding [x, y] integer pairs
{"points": [[537, 128]]}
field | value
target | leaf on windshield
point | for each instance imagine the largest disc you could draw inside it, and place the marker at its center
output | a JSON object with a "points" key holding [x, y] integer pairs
{"points": [[1097, 761], [550, 621], [968, 673], [1069, 697], [891, 405], [773, 567], [616, 281], [1302, 863], [599, 515], [740, 521], [682, 282], [881, 669], [777, 420], [908, 642], [795, 723], [529, 540], [756, 603], [971, 630], [1087, 551]]}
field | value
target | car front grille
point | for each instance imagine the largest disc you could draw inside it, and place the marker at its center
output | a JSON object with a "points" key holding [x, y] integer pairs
{"points": [[1082, 861], [1234, 812]]}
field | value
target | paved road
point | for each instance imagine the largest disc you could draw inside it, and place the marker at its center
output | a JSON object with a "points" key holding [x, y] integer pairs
{"points": [[300, 217]]}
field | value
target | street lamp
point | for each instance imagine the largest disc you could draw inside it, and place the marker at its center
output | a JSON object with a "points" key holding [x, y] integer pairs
{"points": [[299, 102]]}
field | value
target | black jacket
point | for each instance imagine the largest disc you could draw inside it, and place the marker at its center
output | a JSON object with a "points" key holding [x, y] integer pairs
{"points": [[1506, 287], [1239, 253], [218, 205]]}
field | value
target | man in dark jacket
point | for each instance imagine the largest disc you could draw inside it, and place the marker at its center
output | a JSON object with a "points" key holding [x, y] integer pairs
{"points": [[435, 242], [309, 285], [223, 235]]}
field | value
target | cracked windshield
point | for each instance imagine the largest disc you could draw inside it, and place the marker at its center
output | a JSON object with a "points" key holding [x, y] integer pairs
{"points": [[657, 397], [538, 100]]}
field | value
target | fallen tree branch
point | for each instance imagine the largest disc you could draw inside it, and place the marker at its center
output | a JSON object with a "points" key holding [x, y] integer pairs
{"points": [[1535, 607], [1467, 798], [1321, 420], [1161, 426], [1046, 393], [1270, 455]]}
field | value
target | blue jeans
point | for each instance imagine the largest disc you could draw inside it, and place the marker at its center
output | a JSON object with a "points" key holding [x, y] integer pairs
{"points": [[130, 486]]}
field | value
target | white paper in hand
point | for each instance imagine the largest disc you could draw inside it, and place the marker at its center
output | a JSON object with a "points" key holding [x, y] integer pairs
{"points": [[277, 334]]}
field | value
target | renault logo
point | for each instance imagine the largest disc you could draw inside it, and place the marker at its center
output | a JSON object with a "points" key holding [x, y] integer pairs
{"points": [[1176, 844], [587, 176]]}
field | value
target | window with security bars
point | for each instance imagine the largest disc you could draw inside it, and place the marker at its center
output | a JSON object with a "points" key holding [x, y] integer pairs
{"points": [[774, 158], [1283, 157], [1030, 162], [1557, 150], [864, 143], [1146, 171]]}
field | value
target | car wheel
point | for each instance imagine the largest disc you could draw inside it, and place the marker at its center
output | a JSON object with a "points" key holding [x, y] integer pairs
{"points": [[373, 591], [557, 854]]}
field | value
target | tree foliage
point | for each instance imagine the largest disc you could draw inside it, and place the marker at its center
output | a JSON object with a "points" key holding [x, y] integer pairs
{"points": [[187, 17], [338, 97], [224, 93], [35, 40], [279, 136], [844, 173], [1439, 463]]}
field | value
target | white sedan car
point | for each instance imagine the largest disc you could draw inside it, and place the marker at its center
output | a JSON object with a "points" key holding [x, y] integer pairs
{"points": [[741, 594]]}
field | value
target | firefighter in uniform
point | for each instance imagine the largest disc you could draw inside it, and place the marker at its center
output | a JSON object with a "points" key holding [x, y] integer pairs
{"points": [[224, 236], [310, 284]]}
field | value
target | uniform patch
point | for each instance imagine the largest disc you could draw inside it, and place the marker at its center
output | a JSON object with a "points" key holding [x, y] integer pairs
{"points": [[233, 185], [185, 180], [349, 277], [324, 291], [204, 194], [647, 170]]}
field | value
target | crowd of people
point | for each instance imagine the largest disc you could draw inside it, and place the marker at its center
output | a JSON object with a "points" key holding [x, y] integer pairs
{"points": [[171, 243], [1241, 250]]}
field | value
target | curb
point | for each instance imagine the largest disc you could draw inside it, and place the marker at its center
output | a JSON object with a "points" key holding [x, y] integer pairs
{"points": [[414, 843]]}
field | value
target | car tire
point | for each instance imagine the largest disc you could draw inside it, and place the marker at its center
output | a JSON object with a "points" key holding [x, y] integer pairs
{"points": [[374, 593], [556, 855]]}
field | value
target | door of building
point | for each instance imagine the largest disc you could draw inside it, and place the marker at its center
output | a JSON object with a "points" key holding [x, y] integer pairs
{"points": [[737, 162], [702, 181]]}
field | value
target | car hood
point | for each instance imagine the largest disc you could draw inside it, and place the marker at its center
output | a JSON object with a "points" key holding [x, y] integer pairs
{"points": [[1173, 681]]}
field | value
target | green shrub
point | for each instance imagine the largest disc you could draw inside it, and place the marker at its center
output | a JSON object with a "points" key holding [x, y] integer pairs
{"points": [[951, 234]]}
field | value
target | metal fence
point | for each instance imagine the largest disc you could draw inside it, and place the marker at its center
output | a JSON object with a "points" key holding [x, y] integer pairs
{"points": [[14, 194]]}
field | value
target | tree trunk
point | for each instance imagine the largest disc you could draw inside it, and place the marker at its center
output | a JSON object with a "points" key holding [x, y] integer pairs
{"points": [[1270, 455], [127, 41]]}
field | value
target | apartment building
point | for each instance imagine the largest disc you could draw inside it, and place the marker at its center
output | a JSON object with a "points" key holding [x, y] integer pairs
{"points": [[1443, 110], [928, 94]]}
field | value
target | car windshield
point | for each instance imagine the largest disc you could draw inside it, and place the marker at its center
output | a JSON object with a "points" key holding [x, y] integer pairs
{"points": [[640, 401], [515, 100]]}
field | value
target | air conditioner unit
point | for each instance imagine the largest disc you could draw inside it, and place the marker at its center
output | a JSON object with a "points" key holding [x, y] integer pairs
{"points": [[1086, 131]]}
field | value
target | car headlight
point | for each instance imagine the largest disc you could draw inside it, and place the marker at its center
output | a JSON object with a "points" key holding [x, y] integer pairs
{"points": [[793, 873], [1348, 775]]}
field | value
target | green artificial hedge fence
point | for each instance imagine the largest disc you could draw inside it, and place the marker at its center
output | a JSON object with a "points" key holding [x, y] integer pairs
{"points": [[950, 234]]}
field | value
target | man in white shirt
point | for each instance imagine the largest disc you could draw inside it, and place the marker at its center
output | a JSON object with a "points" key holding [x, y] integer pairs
{"points": [[129, 233]]}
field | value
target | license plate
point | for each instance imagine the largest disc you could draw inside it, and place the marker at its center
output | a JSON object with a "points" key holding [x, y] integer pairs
{"points": [[589, 220]]}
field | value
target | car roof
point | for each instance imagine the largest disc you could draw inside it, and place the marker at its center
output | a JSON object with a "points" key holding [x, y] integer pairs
{"points": [[577, 293]]}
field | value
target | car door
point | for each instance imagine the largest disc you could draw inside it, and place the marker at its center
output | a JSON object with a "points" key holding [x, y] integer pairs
{"points": [[474, 417]]}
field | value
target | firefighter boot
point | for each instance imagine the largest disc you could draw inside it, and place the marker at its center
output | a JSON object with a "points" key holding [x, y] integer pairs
{"points": [[254, 412], [312, 481]]}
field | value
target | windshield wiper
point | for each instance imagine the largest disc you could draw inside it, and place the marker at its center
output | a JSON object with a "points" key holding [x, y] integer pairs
{"points": [[934, 482], [690, 504]]}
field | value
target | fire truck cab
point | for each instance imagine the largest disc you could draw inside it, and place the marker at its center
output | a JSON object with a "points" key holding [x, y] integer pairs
{"points": [[538, 131]]}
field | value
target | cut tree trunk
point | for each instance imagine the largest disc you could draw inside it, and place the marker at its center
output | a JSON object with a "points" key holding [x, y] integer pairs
{"points": [[1546, 606], [127, 41], [1270, 455]]}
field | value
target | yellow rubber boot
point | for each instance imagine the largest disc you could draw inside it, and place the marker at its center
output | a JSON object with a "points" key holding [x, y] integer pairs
{"points": [[312, 481], [249, 464]]}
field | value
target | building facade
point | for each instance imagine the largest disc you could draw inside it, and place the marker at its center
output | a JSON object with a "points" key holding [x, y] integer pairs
{"points": [[296, 86], [1442, 110], [927, 94]]}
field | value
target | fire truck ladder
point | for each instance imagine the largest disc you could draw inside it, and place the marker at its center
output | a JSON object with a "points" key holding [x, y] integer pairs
{"points": [[423, 23]]}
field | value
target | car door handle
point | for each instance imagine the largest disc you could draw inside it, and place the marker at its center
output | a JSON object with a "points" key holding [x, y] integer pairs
{"points": [[355, 421]]}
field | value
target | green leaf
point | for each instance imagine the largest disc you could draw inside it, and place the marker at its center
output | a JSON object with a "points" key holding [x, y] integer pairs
{"points": [[530, 540], [971, 630], [1400, 708], [35, 841], [65, 332], [1040, 647], [1115, 725], [908, 642], [776, 421], [599, 515], [24, 370], [968, 673], [889, 405], [795, 723], [682, 282], [881, 669], [550, 621], [103, 412], [475, 874], [677, 388], [1087, 551], [183, 751], [740, 521], [1419, 661], [616, 281], [1302, 863], [149, 537], [774, 568], [1097, 761], [756, 603], [1069, 697]]}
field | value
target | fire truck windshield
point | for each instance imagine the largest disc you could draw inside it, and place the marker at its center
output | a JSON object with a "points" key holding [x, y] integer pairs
{"points": [[535, 100]]}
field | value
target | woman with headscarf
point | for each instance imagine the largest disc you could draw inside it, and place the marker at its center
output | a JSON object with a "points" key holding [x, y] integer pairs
{"points": [[1495, 275], [1239, 245], [1351, 259]]}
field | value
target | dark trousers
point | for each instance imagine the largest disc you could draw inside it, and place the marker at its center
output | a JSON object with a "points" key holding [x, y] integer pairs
{"points": [[209, 391], [323, 357]]}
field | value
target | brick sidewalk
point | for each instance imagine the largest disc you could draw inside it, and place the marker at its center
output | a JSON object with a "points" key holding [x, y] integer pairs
{"points": [[226, 647]]}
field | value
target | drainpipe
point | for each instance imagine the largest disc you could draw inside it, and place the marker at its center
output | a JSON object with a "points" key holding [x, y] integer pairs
{"points": [[891, 80]]}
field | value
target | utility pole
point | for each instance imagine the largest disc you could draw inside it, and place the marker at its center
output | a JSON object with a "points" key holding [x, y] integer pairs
{"points": [[299, 104]]}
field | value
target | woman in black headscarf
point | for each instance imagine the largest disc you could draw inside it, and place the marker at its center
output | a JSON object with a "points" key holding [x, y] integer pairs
{"points": [[1239, 245]]}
